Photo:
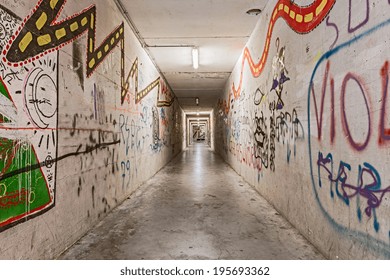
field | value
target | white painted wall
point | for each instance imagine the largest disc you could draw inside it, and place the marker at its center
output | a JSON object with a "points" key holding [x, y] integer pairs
{"points": [[322, 162], [103, 149]]}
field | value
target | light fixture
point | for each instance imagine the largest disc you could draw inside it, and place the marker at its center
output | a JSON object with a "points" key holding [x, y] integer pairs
{"points": [[197, 101], [253, 12], [198, 114], [195, 58]]}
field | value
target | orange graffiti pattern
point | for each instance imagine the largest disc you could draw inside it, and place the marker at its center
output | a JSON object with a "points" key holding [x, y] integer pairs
{"points": [[301, 19]]}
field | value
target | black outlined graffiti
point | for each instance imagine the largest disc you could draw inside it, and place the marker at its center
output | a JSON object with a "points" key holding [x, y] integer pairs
{"points": [[40, 93], [279, 74], [8, 23], [261, 140], [259, 96]]}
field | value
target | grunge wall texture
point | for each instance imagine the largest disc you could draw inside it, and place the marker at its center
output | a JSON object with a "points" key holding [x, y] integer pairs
{"points": [[85, 118], [305, 119]]}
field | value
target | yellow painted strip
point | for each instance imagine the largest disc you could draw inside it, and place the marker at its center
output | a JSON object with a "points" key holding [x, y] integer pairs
{"points": [[99, 55], [274, 15], [60, 33], [299, 18], [121, 30], [25, 41], [281, 7], [44, 40], [117, 35], [286, 9], [106, 48], [74, 26], [321, 7], [292, 14], [91, 63], [84, 21], [90, 45], [112, 41], [53, 3], [92, 21], [40, 23], [308, 17]]}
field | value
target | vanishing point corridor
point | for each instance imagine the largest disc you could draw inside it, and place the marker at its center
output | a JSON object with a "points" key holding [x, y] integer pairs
{"points": [[196, 207]]}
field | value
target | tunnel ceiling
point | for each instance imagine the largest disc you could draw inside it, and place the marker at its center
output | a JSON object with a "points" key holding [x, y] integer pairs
{"points": [[219, 28]]}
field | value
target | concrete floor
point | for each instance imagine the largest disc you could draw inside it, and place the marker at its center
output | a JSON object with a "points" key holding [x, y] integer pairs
{"points": [[196, 207]]}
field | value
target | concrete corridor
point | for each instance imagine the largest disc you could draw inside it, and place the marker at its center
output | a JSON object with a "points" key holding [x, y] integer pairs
{"points": [[196, 207]]}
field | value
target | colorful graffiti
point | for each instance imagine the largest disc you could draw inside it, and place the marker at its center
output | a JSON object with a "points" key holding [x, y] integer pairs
{"points": [[356, 187], [41, 33], [29, 102], [347, 125], [28, 125], [301, 19], [369, 185]]}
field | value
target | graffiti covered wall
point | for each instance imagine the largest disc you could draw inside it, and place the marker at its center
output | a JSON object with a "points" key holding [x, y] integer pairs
{"points": [[85, 118], [304, 119]]}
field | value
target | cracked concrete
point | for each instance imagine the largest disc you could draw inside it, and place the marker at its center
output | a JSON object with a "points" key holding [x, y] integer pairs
{"points": [[196, 207]]}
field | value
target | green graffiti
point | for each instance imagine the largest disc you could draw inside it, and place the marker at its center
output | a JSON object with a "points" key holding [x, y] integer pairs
{"points": [[21, 194]]}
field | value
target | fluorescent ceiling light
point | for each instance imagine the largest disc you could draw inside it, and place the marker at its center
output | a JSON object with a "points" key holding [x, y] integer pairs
{"points": [[195, 58]]}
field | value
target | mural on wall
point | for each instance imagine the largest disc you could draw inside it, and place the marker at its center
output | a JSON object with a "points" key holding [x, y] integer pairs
{"points": [[346, 125], [253, 140], [29, 104], [41, 33], [301, 19], [358, 123], [28, 139], [165, 97]]}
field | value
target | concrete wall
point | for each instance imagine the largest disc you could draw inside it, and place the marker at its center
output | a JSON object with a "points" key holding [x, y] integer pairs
{"points": [[305, 119], [85, 118]]}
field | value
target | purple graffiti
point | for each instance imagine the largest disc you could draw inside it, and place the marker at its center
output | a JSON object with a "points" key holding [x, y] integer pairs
{"points": [[368, 186], [353, 29], [331, 24], [354, 144]]}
